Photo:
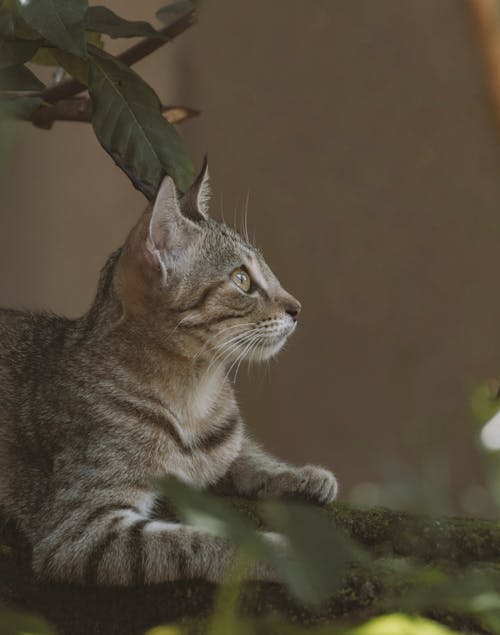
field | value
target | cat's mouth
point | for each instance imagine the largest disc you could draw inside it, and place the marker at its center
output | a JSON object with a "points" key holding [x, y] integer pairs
{"points": [[258, 343], [269, 343]]}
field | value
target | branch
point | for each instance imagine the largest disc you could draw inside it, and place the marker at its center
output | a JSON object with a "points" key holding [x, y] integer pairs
{"points": [[80, 110], [130, 56], [485, 14], [377, 585]]}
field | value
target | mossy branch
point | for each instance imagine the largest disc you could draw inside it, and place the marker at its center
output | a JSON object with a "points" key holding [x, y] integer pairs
{"points": [[391, 538]]}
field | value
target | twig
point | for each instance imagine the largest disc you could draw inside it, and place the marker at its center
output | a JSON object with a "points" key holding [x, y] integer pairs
{"points": [[486, 18], [80, 110], [132, 55]]}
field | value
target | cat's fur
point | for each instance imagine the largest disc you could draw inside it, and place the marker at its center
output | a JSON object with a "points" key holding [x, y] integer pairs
{"points": [[92, 410]]}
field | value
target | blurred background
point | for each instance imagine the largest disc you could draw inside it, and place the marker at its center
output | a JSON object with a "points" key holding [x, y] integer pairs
{"points": [[364, 136]]}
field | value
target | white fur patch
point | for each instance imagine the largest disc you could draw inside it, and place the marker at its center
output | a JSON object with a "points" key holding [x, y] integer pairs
{"points": [[200, 400], [156, 526]]}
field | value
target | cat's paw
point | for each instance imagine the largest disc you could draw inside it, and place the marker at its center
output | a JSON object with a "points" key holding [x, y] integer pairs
{"points": [[309, 482]]}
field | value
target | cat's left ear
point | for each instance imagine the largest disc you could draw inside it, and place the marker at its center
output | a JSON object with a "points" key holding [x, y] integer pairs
{"points": [[169, 232], [196, 201]]}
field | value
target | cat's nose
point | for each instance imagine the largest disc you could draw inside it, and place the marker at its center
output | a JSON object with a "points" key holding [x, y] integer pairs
{"points": [[293, 307]]}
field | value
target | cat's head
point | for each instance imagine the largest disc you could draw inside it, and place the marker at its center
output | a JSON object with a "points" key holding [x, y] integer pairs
{"points": [[197, 281]]}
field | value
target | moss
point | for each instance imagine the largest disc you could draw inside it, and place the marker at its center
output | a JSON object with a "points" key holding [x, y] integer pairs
{"points": [[402, 548]]}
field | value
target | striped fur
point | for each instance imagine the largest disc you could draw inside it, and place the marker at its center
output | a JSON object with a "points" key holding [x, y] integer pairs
{"points": [[94, 410]]}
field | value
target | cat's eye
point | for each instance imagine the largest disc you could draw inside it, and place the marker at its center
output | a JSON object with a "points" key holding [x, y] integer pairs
{"points": [[241, 279]]}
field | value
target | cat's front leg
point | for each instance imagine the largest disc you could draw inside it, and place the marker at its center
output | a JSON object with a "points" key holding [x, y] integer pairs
{"points": [[256, 473]]}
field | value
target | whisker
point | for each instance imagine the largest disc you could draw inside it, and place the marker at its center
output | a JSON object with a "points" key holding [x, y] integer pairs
{"points": [[253, 344], [240, 358], [219, 334], [246, 216], [228, 347]]}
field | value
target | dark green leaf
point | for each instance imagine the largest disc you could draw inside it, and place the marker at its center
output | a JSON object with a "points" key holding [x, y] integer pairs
{"points": [[75, 66], [6, 22], [17, 51], [19, 78], [19, 107], [173, 10], [127, 121], [59, 21], [103, 20], [319, 552]]}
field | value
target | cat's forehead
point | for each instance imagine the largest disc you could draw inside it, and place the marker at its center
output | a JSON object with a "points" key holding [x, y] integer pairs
{"points": [[226, 240], [223, 245]]}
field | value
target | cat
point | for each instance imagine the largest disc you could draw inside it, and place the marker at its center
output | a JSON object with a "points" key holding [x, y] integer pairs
{"points": [[94, 409]]}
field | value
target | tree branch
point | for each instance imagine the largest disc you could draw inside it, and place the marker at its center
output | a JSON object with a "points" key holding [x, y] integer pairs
{"points": [[130, 56], [375, 585], [80, 110]]}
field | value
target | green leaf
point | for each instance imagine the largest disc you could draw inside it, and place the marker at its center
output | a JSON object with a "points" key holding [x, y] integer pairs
{"points": [[19, 78], [207, 512], [400, 624], [19, 107], [17, 51], [59, 21], [75, 66], [319, 552], [485, 401], [127, 121], [12, 26], [16, 622], [94, 38], [7, 22], [103, 20], [214, 515], [45, 57], [172, 11]]}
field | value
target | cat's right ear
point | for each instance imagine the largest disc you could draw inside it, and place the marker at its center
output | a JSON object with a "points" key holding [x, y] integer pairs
{"points": [[169, 230], [196, 201]]}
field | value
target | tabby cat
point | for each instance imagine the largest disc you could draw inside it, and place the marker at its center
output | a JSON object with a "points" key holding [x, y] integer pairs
{"points": [[94, 409]]}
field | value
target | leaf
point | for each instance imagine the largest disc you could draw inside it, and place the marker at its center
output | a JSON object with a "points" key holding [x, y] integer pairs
{"points": [[94, 38], [319, 551], [164, 630], [19, 107], [103, 20], [16, 622], [6, 22], [485, 401], [400, 624], [128, 123], [44, 57], [17, 51], [214, 515], [172, 11], [59, 21], [75, 66], [207, 512], [12, 26], [19, 78]]}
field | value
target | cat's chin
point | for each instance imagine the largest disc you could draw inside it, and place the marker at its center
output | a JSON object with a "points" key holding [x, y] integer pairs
{"points": [[266, 350]]}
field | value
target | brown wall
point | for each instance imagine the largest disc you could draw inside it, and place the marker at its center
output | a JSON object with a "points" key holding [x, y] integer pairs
{"points": [[362, 132]]}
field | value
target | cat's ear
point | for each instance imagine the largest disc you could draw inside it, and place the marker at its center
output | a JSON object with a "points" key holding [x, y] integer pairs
{"points": [[169, 231], [196, 201]]}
